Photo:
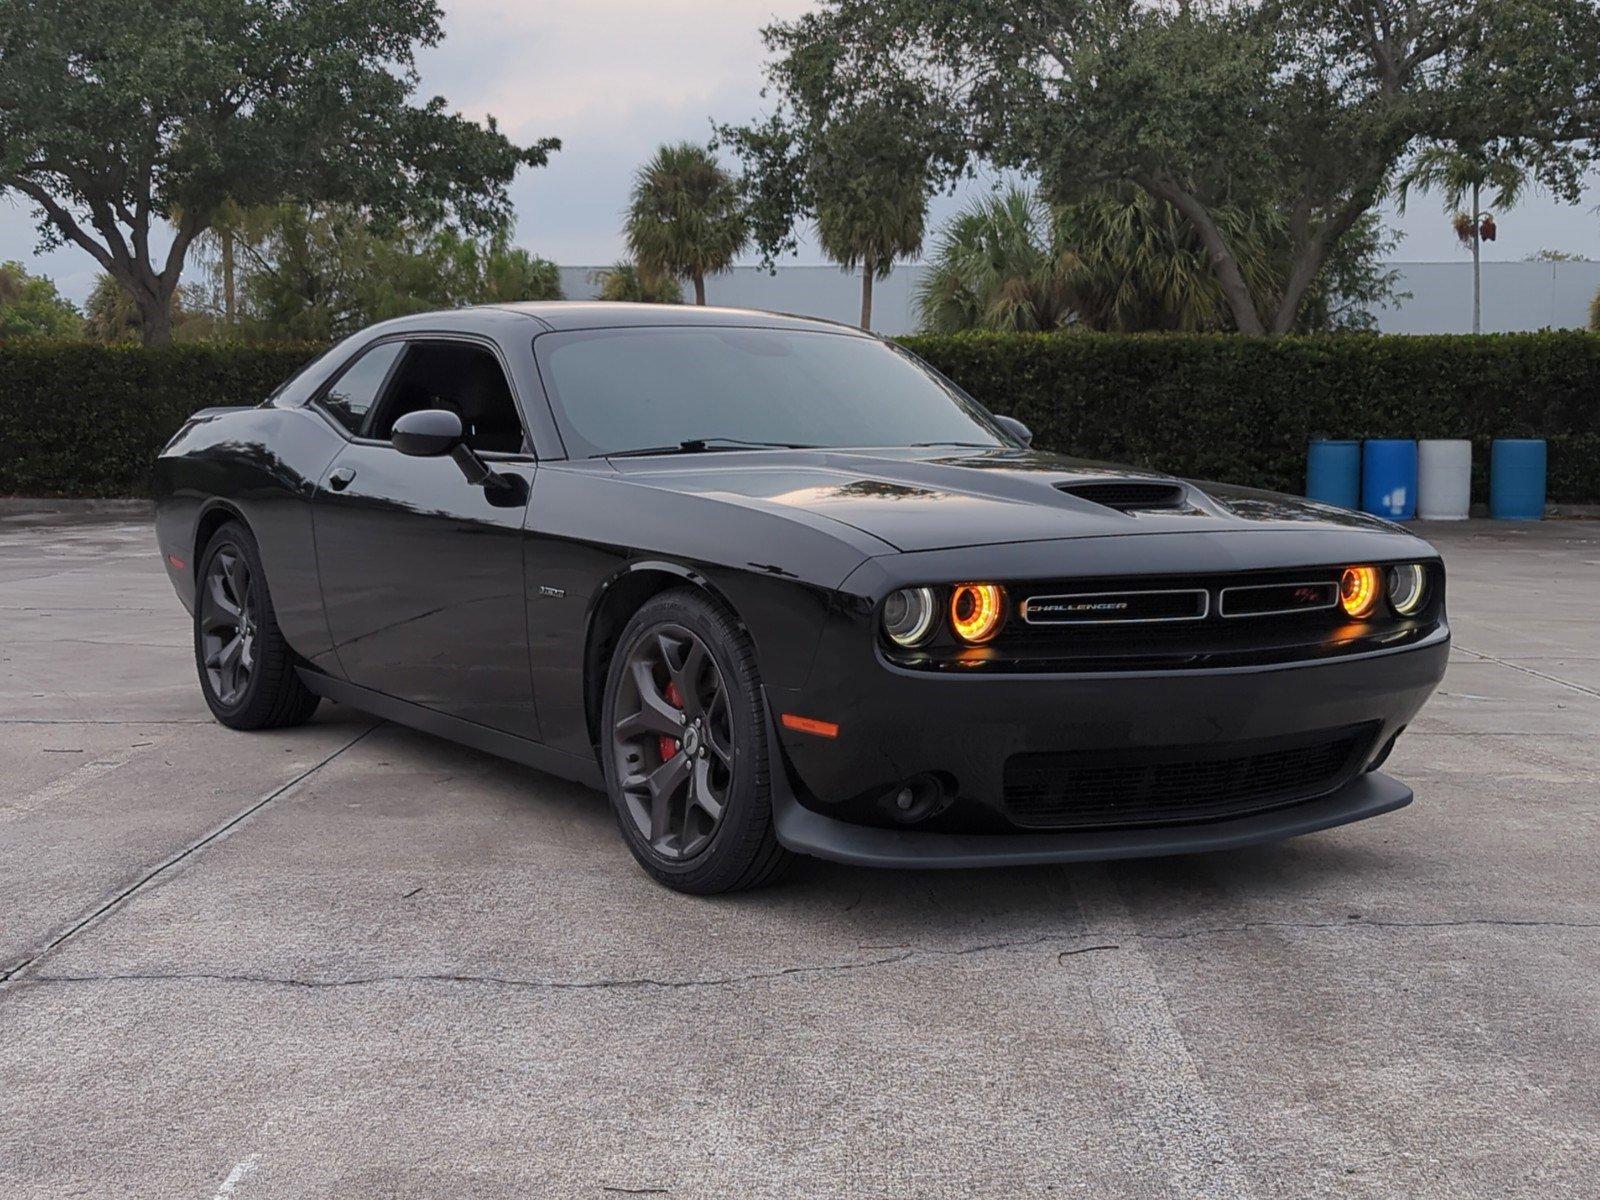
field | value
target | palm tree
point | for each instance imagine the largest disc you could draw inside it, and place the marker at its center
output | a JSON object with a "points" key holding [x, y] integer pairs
{"points": [[869, 187], [1112, 259], [624, 281], [686, 219], [1129, 262], [995, 266], [1459, 173]]}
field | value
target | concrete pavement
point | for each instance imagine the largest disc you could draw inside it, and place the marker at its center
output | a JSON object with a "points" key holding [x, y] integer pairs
{"points": [[353, 960]]}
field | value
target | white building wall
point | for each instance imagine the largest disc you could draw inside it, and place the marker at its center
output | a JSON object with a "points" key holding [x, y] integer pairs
{"points": [[1516, 295]]}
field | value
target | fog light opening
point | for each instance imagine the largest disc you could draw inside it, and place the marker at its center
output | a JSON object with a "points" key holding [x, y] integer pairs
{"points": [[914, 800]]}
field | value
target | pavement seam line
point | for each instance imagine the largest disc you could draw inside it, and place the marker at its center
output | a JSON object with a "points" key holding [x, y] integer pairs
{"points": [[1178, 1119], [1566, 683], [132, 889]]}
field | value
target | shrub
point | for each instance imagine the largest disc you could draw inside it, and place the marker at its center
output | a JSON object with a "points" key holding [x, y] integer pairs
{"points": [[77, 419], [1241, 410]]}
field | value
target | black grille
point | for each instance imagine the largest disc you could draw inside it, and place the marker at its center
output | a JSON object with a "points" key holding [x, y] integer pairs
{"points": [[1109, 608], [1129, 497], [1177, 784]]}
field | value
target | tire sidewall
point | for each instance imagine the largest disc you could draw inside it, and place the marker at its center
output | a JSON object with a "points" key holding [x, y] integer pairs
{"points": [[749, 810]]}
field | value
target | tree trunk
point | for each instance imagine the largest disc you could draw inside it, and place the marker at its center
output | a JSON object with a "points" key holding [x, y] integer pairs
{"points": [[1477, 267], [699, 287], [155, 318], [1231, 279], [868, 269]]}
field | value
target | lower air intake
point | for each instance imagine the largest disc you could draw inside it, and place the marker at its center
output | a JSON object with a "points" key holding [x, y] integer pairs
{"points": [[1095, 789]]}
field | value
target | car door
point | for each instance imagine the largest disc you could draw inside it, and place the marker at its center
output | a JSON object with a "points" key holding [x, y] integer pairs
{"points": [[422, 570]]}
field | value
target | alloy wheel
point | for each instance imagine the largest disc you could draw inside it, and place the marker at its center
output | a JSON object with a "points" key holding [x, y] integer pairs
{"points": [[672, 743], [228, 626]]}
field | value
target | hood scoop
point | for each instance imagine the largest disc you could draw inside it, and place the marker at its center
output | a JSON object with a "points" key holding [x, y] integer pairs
{"points": [[1131, 496]]}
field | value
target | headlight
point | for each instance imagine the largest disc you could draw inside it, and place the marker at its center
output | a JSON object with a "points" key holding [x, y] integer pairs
{"points": [[1408, 588], [976, 610], [908, 615], [1358, 590]]}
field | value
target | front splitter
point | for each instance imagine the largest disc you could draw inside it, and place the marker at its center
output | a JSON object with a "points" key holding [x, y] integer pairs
{"points": [[807, 832]]}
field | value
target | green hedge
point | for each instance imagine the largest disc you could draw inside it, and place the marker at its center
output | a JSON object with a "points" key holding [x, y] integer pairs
{"points": [[80, 420], [1241, 410], [85, 420]]}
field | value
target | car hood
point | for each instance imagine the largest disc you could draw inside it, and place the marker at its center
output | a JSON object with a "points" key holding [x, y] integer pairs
{"points": [[932, 499]]}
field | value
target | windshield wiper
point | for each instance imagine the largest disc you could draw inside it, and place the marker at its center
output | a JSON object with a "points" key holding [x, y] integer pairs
{"points": [[702, 445]]}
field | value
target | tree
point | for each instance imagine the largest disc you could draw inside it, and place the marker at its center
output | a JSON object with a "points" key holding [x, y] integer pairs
{"points": [[1304, 107], [1115, 259], [626, 282], [110, 315], [320, 273], [686, 220], [869, 188], [863, 182], [117, 116], [1461, 174], [996, 265], [30, 306]]}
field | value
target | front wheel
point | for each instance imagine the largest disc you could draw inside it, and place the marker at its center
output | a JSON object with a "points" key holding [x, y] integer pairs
{"points": [[246, 668], [685, 751]]}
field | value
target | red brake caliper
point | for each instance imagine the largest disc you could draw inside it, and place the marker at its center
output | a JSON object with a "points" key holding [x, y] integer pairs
{"points": [[668, 746]]}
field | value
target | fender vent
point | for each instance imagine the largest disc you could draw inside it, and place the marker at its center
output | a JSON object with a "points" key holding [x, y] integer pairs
{"points": [[1130, 497]]}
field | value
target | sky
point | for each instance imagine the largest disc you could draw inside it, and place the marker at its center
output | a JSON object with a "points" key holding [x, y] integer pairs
{"points": [[616, 78]]}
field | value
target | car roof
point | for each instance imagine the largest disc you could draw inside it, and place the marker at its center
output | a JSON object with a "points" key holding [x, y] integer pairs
{"points": [[602, 314]]}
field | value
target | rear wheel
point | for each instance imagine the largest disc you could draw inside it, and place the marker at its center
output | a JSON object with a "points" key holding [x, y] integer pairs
{"points": [[246, 668], [685, 751]]}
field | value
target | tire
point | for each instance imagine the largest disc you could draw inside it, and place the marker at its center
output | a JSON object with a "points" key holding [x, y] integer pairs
{"points": [[246, 668], [718, 748]]}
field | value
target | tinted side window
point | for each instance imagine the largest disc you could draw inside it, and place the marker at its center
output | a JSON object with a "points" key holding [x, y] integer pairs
{"points": [[466, 380], [354, 392]]}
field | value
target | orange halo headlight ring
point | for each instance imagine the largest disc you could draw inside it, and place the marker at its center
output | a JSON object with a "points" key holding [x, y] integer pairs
{"points": [[976, 611], [1359, 589]]}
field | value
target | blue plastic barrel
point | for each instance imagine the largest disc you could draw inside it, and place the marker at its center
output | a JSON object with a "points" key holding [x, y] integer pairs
{"points": [[1333, 472], [1389, 478], [1516, 479]]}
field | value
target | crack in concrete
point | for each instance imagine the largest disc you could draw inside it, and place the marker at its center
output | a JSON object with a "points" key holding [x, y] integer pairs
{"points": [[908, 954]]}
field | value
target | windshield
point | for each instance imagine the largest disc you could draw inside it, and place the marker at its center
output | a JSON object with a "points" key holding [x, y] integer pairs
{"points": [[655, 389]]}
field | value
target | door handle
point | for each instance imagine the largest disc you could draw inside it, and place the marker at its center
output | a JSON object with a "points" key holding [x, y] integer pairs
{"points": [[339, 478]]}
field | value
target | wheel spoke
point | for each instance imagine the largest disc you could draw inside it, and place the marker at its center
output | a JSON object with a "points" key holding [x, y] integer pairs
{"points": [[687, 676], [656, 714], [238, 580], [704, 797], [664, 783], [226, 612]]}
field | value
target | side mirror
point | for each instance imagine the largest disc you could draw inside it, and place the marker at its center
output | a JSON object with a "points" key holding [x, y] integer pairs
{"points": [[427, 433], [1010, 424]]}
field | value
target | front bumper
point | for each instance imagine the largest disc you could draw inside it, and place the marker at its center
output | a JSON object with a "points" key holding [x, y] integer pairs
{"points": [[896, 724]]}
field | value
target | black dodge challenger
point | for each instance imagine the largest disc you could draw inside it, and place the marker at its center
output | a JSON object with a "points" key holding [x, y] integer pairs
{"points": [[778, 587]]}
